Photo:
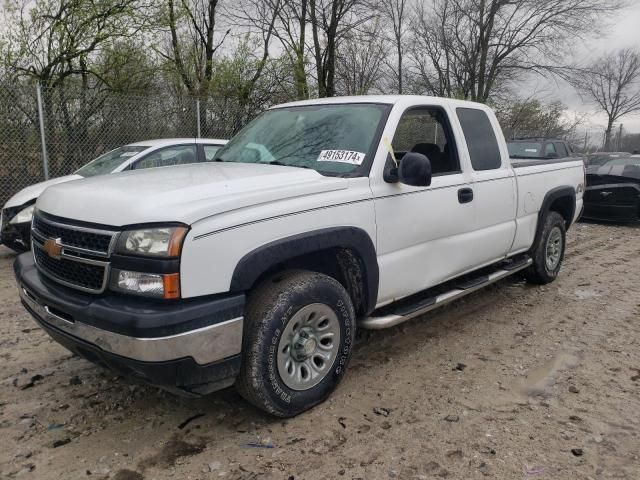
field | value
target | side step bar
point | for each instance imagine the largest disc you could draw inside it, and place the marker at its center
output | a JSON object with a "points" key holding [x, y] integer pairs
{"points": [[459, 290]]}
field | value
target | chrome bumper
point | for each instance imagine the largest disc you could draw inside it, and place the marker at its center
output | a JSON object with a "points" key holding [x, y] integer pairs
{"points": [[205, 345]]}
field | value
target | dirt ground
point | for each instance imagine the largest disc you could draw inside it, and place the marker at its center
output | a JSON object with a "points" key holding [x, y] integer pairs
{"points": [[514, 382]]}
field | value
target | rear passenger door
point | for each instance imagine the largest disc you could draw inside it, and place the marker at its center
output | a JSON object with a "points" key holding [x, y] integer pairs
{"points": [[493, 184]]}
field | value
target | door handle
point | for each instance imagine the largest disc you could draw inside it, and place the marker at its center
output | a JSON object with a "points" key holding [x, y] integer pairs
{"points": [[465, 195]]}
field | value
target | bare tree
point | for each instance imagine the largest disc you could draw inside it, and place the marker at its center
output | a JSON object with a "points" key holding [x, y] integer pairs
{"points": [[467, 48], [330, 21], [613, 84], [359, 61], [192, 26], [440, 68], [260, 16], [395, 11], [291, 31]]}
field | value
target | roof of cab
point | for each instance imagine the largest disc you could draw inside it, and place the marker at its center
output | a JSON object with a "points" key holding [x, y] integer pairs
{"points": [[172, 141], [381, 99]]}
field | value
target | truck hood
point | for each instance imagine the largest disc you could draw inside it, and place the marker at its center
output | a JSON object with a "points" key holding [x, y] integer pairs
{"points": [[185, 193], [32, 192]]}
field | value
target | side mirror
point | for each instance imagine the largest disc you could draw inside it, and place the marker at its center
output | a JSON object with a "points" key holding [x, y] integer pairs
{"points": [[415, 170]]}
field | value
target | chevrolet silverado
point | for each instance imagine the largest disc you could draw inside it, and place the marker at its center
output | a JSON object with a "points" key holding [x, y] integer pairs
{"points": [[318, 218]]}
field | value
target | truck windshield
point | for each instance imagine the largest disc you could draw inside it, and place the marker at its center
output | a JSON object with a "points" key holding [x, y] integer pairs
{"points": [[525, 149], [108, 162], [331, 139]]}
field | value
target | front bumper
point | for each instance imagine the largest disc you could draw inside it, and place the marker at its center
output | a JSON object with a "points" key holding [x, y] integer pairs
{"points": [[191, 346]]}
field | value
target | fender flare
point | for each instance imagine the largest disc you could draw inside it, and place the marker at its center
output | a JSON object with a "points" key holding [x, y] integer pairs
{"points": [[262, 259], [554, 194]]}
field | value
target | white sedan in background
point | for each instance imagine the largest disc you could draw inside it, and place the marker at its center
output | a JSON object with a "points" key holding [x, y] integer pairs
{"points": [[17, 212]]}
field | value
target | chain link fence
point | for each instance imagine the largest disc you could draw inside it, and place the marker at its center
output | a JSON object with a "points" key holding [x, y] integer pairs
{"points": [[67, 127]]}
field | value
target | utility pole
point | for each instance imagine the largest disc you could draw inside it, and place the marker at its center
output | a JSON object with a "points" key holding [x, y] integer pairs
{"points": [[43, 141], [198, 118]]}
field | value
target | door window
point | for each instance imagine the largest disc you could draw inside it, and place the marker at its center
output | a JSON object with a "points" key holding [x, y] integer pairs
{"points": [[210, 152], [481, 139], [176, 155], [426, 130]]}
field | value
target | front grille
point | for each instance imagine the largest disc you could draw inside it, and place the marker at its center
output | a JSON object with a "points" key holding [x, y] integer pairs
{"points": [[78, 257], [77, 237], [70, 272]]}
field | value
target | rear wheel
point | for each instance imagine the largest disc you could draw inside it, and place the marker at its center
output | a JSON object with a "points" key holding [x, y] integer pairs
{"points": [[299, 331], [548, 252]]}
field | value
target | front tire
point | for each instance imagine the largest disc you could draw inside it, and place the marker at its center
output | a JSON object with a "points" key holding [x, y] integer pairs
{"points": [[299, 332], [548, 252]]}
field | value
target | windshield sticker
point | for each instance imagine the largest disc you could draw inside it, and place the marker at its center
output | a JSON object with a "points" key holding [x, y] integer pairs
{"points": [[341, 156], [128, 154], [531, 150]]}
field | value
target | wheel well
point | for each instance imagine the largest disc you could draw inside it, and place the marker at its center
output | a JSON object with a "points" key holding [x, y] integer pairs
{"points": [[565, 206], [342, 263]]}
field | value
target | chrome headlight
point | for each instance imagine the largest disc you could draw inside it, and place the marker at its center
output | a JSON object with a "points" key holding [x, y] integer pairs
{"points": [[24, 216], [152, 242]]}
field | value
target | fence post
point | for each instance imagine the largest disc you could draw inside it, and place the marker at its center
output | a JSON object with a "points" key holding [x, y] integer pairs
{"points": [[198, 115], [45, 159]]}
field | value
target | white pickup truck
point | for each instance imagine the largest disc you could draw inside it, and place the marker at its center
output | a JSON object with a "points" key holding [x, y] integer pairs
{"points": [[318, 218]]}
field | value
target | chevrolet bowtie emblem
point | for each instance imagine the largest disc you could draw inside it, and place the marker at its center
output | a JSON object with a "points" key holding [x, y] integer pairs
{"points": [[53, 247]]}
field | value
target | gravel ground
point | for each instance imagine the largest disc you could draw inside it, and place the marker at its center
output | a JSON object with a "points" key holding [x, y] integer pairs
{"points": [[514, 382]]}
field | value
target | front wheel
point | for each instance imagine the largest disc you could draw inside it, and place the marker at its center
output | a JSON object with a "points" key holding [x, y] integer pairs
{"points": [[299, 332], [548, 252]]}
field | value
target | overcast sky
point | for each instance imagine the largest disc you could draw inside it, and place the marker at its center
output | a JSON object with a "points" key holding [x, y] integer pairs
{"points": [[624, 32]]}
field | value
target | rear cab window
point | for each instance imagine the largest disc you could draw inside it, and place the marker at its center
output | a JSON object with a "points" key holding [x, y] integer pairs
{"points": [[482, 144], [550, 150], [519, 149], [561, 149]]}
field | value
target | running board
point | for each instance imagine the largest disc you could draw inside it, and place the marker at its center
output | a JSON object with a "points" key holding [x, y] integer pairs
{"points": [[459, 290]]}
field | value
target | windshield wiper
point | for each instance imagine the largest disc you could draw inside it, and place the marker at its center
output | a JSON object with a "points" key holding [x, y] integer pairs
{"points": [[277, 162]]}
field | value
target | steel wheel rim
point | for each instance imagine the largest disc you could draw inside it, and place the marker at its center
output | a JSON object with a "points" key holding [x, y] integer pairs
{"points": [[308, 346], [554, 248]]}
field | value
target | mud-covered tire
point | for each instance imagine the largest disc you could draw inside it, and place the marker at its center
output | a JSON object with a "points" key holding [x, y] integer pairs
{"points": [[544, 270], [270, 308]]}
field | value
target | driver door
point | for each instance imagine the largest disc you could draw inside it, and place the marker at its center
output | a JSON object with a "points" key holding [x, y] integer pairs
{"points": [[425, 234]]}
